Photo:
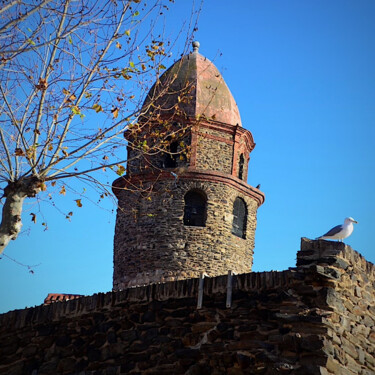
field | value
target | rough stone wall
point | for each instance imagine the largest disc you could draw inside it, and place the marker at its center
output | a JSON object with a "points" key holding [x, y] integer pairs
{"points": [[213, 154], [152, 243], [300, 321], [350, 344]]}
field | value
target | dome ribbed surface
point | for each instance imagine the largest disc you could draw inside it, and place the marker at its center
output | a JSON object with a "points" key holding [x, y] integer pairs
{"points": [[194, 87]]}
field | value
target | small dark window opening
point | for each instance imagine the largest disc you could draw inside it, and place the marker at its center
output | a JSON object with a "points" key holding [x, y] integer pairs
{"points": [[195, 209], [240, 167], [170, 160], [239, 218]]}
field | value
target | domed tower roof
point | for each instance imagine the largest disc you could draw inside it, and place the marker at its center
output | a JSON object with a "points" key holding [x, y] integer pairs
{"points": [[193, 87]]}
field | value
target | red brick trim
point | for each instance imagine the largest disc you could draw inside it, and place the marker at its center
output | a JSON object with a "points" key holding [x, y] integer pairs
{"points": [[206, 123]]}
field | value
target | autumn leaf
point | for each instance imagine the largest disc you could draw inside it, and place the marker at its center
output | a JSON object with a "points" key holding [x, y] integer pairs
{"points": [[78, 202], [118, 45], [65, 91], [43, 186], [72, 97], [115, 112], [76, 110], [105, 157], [50, 147], [120, 170], [53, 183], [63, 190], [33, 218], [65, 153], [42, 84], [127, 32], [97, 108], [19, 152]]}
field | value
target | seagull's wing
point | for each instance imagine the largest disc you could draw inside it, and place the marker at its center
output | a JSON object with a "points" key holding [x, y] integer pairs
{"points": [[333, 231]]}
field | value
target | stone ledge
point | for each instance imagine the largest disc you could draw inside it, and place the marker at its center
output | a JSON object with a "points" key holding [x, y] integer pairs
{"points": [[332, 253], [316, 260]]}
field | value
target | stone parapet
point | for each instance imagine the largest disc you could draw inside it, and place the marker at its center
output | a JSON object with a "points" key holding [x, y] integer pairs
{"points": [[316, 318]]}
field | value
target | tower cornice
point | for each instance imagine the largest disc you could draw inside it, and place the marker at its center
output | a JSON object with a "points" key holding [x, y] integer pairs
{"points": [[191, 174]]}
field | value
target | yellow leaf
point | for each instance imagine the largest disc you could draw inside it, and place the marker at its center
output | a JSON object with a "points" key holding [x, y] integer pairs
{"points": [[127, 32], [115, 112], [97, 107], [72, 97], [43, 186], [65, 92], [63, 190], [75, 110], [78, 201], [121, 170]]}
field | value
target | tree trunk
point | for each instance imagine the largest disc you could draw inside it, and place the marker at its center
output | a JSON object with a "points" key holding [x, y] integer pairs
{"points": [[15, 194]]}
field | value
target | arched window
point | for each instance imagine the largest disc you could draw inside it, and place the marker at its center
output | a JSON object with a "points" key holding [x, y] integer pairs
{"points": [[170, 157], [239, 218], [195, 209], [240, 167]]}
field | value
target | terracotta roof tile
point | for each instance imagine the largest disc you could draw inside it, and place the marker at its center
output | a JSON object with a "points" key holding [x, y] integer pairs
{"points": [[60, 297]]}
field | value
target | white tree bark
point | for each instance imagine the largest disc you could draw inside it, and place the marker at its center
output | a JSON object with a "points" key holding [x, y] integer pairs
{"points": [[15, 194]]}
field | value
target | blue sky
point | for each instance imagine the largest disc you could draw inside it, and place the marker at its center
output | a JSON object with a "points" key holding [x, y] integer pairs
{"points": [[303, 76]]}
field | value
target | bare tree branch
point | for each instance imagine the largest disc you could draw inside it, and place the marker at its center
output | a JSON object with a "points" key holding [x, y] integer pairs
{"points": [[73, 77]]}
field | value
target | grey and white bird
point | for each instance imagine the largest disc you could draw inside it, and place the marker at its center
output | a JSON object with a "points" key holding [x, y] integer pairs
{"points": [[339, 232]]}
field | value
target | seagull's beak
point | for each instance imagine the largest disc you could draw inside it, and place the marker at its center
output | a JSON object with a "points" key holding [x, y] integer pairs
{"points": [[355, 221]]}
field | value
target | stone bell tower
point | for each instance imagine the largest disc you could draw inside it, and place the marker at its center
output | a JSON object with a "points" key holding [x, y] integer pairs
{"points": [[188, 208]]}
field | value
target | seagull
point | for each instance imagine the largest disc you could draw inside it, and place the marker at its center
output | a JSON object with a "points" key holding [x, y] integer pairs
{"points": [[339, 232]]}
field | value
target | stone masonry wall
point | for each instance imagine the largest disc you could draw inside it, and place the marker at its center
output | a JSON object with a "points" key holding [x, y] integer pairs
{"points": [[152, 243], [213, 154], [306, 320], [351, 333]]}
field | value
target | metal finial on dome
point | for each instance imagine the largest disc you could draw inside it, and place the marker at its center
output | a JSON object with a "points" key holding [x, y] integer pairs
{"points": [[196, 46]]}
